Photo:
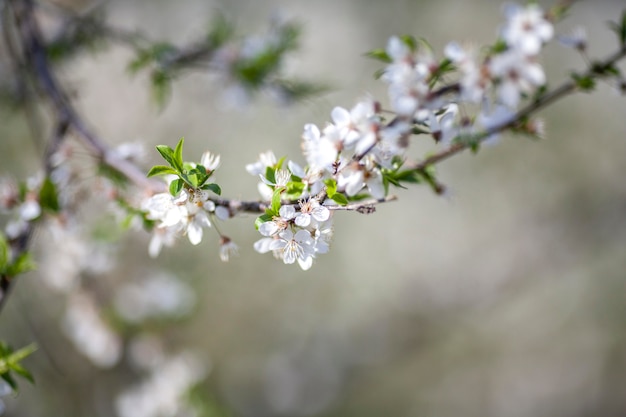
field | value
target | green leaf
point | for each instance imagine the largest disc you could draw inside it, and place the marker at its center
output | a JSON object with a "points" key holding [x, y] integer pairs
{"points": [[221, 31], [161, 86], [9, 380], [178, 153], [262, 219], [294, 190], [276, 200], [161, 170], [379, 73], [176, 186], [586, 83], [48, 197], [380, 55], [168, 154], [280, 163], [331, 187], [191, 179], [212, 187], [4, 254], [22, 353], [409, 175], [410, 41], [10, 362], [340, 199], [270, 175], [21, 371], [22, 264], [498, 47]]}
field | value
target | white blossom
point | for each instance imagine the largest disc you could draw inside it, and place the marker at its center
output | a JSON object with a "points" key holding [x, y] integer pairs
{"points": [[527, 28]]}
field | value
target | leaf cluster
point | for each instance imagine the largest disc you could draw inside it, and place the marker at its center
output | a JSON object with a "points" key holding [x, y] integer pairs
{"points": [[189, 174], [11, 364], [10, 267]]}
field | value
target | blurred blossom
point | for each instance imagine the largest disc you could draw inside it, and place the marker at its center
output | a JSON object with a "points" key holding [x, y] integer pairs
{"points": [[89, 333], [157, 296], [302, 382], [67, 254], [132, 151], [228, 248], [146, 351], [162, 393]]}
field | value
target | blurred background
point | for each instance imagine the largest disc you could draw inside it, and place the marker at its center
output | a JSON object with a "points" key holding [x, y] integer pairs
{"points": [[505, 298]]}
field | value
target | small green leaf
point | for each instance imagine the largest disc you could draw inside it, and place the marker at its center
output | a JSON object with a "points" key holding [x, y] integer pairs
{"points": [[262, 219], [380, 55], [340, 199], [191, 179], [411, 42], [379, 73], [21, 371], [331, 187], [161, 170], [276, 200], [168, 154], [280, 163], [410, 176], [4, 254], [161, 86], [48, 196], [586, 83], [498, 47], [212, 187], [176, 186], [22, 264], [178, 153], [270, 175], [221, 31], [9, 380], [294, 190]]}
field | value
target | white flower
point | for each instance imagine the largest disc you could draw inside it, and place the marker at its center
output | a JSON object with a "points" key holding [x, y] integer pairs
{"points": [[162, 207], [228, 248], [321, 151], [281, 176], [526, 29], [195, 221], [311, 209], [516, 74], [444, 128], [266, 159], [278, 224], [473, 80], [210, 161], [294, 247], [161, 236], [187, 213], [356, 123], [264, 245], [350, 179]]}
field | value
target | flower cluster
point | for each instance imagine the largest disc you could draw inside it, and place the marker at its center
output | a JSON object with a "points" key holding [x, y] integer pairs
{"points": [[186, 209], [460, 100]]}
